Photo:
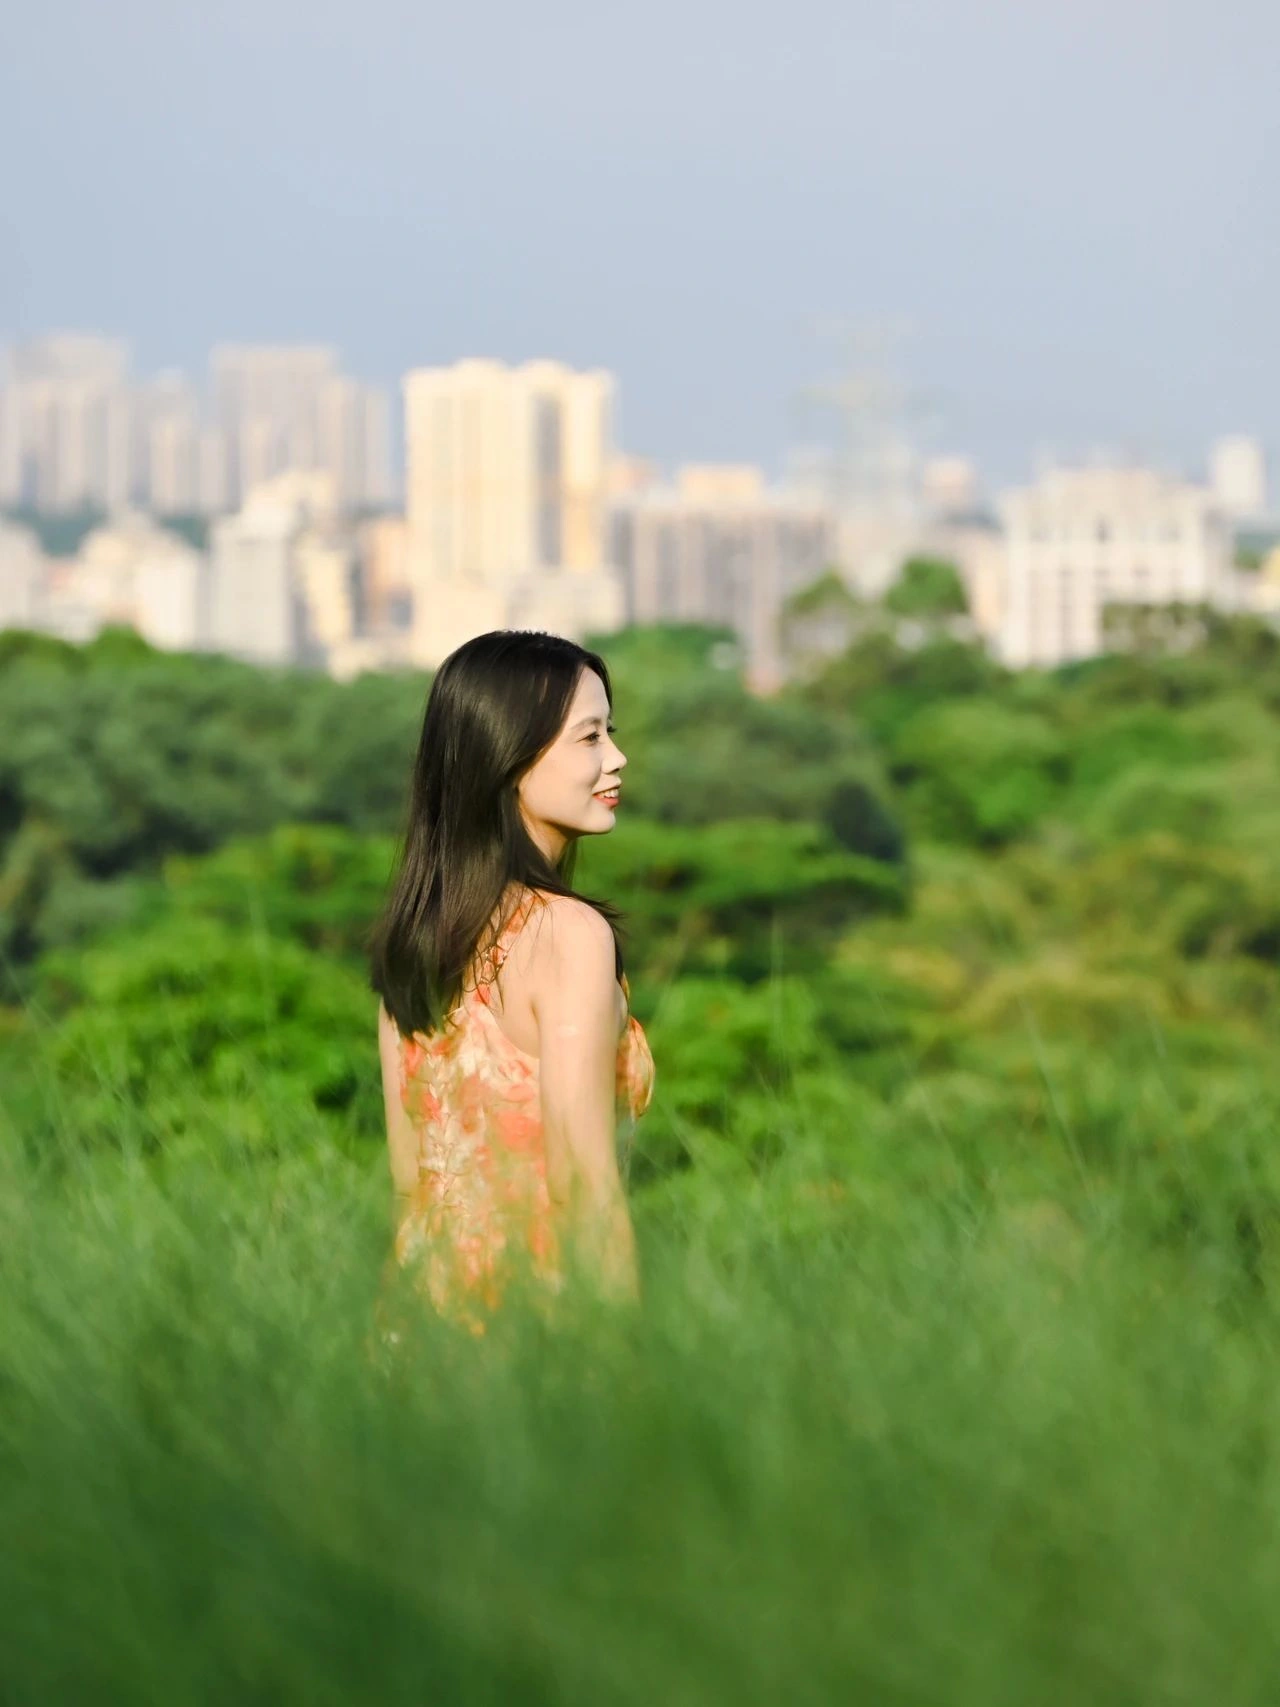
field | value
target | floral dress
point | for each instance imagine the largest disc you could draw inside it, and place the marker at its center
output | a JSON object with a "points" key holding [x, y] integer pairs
{"points": [[481, 1208]]}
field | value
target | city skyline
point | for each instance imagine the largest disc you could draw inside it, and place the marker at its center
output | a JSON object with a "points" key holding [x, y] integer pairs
{"points": [[876, 427], [519, 512], [79, 428], [1068, 203]]}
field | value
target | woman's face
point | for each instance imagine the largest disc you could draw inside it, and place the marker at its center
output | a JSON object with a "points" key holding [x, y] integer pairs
{"points": [[560, 793]]}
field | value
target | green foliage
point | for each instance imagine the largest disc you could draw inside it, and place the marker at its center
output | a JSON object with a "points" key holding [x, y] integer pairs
{"points": [[701, 750], [868, 1440], [318, 885], [819, 621], [1112, 744], [860, 821], [718, 898], [958, 1203], [828, 595], [1084, 910], [731, 1054], [927, 587], [194, 1036], [1224, 650], [977, 771], [882, 682], [114, 755]]}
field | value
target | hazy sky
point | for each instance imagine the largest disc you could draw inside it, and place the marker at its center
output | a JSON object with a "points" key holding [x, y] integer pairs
{"points": [[1074, 205]]}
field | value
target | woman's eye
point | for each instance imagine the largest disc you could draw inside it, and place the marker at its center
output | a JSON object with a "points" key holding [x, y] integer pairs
{"points": [[595, 733]]}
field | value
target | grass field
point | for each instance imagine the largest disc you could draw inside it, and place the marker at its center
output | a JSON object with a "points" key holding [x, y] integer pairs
{"points": [[956, 1378], [973, 1451]]}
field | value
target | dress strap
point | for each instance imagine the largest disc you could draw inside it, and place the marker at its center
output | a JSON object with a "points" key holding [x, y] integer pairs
{"points": [[510, 931]]}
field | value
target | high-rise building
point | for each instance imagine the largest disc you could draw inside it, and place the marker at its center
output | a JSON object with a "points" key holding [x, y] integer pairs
{"points": [[324, 567], [133, 572], [355, 443], [506, 500], [1079, 539], [1238, 476], [22, 578], [10, 436], [256, 612], [213, 472], [67, 426], [76, 433], [167, 445], [266, 402], [284, 579], [1262, 590], [387, 592], [287, 408], [721, 548], [172, 589]]}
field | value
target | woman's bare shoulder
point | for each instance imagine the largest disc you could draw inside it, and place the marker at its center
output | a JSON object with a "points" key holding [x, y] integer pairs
{"points": [[563, 927], [566, 954]]}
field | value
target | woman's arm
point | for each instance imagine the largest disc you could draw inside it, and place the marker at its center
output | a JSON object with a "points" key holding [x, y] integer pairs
{"points": [[573, 993]]}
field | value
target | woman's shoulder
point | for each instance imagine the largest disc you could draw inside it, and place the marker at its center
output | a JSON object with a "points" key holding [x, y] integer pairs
{"points": [[571, 912], [566, 927], [521, 897]]}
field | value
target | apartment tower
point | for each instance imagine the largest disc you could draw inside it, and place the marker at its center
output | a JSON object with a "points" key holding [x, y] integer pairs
{"points": [[506, 501]]}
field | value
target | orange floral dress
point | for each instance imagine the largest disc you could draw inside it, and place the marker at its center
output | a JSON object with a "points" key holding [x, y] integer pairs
{"points": [[481, 1207]]}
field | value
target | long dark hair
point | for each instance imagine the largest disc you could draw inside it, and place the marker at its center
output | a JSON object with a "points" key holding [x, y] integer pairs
{"points": [[495, 705]]}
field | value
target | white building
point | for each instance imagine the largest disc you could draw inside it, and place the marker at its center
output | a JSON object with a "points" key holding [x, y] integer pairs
{"points": [[10, 436], [167, 445], [131, 572], [1238, 477], [1079, 539], [66, 422], [76, 433], [283, 575], [369, 653], [1262, 594], [285, 408], [506, 501], [213, 477], [355, 443], [23, 578], [254, 610], [720, 547], [325, 570], [385, 584]]}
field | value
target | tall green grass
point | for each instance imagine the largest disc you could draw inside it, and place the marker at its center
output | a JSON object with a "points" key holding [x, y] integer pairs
{"points": [[987, 1448]]}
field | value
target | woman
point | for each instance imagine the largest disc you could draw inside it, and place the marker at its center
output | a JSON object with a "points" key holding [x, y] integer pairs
{"points": [[512, 1071]]}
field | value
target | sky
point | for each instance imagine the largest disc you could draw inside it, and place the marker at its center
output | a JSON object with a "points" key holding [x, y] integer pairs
{"points": [[1070, 209]]}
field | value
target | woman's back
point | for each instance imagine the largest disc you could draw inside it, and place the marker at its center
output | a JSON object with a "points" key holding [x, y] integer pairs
{"points": [[472, 1099]]}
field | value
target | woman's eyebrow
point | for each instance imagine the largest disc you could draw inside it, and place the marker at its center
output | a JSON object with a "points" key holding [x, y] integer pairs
{"points": [[582, 722]]}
